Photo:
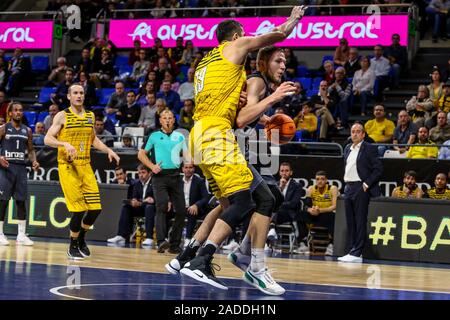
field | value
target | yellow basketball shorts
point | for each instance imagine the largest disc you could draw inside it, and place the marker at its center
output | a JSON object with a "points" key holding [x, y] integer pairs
{"points": [[80, 187], [215, 150]]}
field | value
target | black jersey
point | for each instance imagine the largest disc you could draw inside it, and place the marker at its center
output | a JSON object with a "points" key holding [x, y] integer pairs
{"points": [[15, 143]]}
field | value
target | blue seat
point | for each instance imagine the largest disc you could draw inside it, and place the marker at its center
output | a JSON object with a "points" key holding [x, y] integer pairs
{"points": [[302, 71], [39, 63], [327, 57], [316, 83], [98, 107], [112, 117], [184, 69], [41, 116], [306, 82], [104, 94], [31, 117], [121, 61], [125, 69], [44, 94]]}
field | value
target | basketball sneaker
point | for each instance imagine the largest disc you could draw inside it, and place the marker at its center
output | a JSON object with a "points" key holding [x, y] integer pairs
{"points": [[23, 240], [263, 281], [329, 251], [83, 248], [3, 240], [74, 251], [201, 269], [176, 264], [239, 260]]}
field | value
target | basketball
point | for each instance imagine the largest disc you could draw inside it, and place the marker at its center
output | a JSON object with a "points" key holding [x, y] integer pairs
{"points": [[280, 129]]}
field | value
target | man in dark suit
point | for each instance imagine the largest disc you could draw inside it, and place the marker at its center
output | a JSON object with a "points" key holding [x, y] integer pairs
{"points": [[363, 170], [196, 197], [289, 210], [141, 204]]}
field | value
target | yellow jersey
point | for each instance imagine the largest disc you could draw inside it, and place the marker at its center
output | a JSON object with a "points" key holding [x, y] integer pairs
{"points": [[217, 86], [378, 131], [322, 200], [400, 193], [79, 132], [439, 195]]}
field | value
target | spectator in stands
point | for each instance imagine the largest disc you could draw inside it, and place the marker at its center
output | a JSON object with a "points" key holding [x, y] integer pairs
{"points": [[117, 99], [168, 76], [405, 132], [322, 102], [423, 152], [328, 66], [440, 190], [142, 204], [3, 104], [103, 71], [198, 58], [234, 12], [84, 64], [160, 107], [121, 177], [289, 210], [96, 45], [128, 142], [341, 53], [381, 67], [409, 189], [163, 65], [39, 134], [60, 95], [435, 88], [146, 88], [58, 74], [186, 90], [186, 114], [174, 4], [398, 57], [90, 97], [340, 92], [444, 105], [363, 84], [188, 53], [172, 97], [250, 65], [319, 210], [420, 107], [2, 120], [444, 152], [176, 52], [291, 63], [3, 74], [306, 121], [158, 11], [19, 68], [294, 103], [353, 62], [104, 135], [438, 11], [147, 120], [134, 54], [153, 50], [52, 111], [380, 129], [151, 77], [2, 56], [140, 67], [129, 114], [441, 132], [196, 199]]}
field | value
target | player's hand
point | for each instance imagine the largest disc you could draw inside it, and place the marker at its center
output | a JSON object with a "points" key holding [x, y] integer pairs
{"points": [[169, 206], [3, 162], [112, 155], [298, 12], [242, 99], [135, 203], [156, 168], [285, 89], [193, 210], [149, 200], [35, 165], [264, 119], [71, 151]]}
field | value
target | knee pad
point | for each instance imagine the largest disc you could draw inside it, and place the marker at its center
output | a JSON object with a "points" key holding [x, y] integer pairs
{"points": [[75, 221], [91, 216], [279, 198], [21, 210], [240, 206], [264, 199]]}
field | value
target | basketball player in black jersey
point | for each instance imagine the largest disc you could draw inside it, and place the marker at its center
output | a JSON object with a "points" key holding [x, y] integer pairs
{"points": [[264, 91], [16, 139]]}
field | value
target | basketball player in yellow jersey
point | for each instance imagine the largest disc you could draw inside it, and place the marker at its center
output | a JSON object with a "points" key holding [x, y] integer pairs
{"points": [[72, 132], [218, 82]]}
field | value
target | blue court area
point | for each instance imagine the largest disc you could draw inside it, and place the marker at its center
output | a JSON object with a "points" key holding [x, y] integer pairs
{"points": [[31, 281]]}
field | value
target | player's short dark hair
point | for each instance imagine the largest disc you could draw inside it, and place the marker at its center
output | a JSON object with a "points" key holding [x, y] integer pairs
{"points": [[286, 164], [120, 168], [321, 173], [411, 173], [226, 29], [143, 167]]}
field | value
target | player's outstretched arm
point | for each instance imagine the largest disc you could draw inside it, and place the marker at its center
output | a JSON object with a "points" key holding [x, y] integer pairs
{"points": [[237, 51], [51, 139], [99, 145]]}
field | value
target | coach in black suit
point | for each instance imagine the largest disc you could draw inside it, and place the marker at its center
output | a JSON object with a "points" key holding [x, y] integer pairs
{"points": [[363, 170], [196, 198], [141, 204]]}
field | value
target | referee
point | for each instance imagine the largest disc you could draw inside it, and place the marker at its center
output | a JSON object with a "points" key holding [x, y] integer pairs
{"points": [[165, 147]]}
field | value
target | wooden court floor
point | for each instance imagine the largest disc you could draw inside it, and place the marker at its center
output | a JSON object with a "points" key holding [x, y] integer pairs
{"points": [[303, 271]]}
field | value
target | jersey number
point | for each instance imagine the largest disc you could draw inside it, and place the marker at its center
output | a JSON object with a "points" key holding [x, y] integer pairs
{"points": [[200, 80], [17, 147]]}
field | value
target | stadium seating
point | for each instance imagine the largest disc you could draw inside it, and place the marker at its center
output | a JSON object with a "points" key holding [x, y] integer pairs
{"points": [[302, 71], [31, 117], [39, 64], [44, 94], [305, 82], [327, 57], [121, 61], [41, 116], [104, 94]]}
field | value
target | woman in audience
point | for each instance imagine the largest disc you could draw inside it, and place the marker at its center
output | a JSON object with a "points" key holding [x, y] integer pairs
{"points": [[188, 53], [363, 83], [168, 76], [341, 52], [329, 72], [103, 71], [435, 88], [146, 88], [420, 107]]}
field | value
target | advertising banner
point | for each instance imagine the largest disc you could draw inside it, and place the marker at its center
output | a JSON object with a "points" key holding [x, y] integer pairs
{"points": [[322, 31], [26, 35]]}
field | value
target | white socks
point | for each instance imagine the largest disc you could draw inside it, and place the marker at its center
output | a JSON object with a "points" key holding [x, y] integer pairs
{"points": [[1, 227], [258, 261], [246, 246], [22, 227]]}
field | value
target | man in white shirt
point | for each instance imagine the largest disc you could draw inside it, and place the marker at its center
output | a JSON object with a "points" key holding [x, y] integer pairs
{"points": [[381, 67], [186, 90], [363, 170]]}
